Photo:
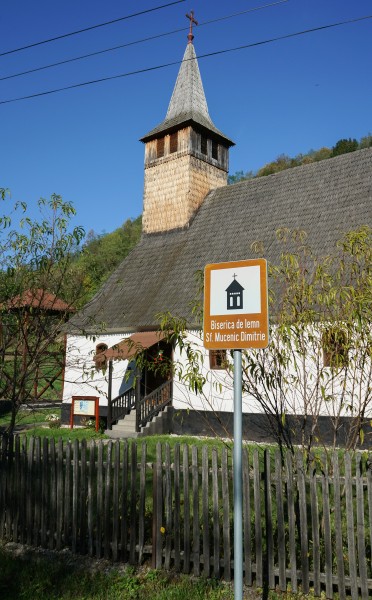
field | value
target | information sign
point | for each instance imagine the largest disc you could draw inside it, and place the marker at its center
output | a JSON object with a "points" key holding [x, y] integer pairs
{"points": [[235, 305]]}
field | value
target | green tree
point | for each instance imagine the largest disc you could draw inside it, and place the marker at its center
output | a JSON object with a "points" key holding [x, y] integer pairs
{"points": [[38, 291], [344, 145], [101, 254], [240, 176]]}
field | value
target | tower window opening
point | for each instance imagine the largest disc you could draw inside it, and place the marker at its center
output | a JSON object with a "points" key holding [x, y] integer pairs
{"points": [[173, 142], [203, 144], [160, 147], [214, 150]]}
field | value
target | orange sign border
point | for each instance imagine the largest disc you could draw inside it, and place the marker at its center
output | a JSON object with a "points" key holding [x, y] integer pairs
{"points": [[261, 334]]}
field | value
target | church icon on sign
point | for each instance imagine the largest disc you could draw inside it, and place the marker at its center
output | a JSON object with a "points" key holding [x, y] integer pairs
{"points": [[234, 295]]}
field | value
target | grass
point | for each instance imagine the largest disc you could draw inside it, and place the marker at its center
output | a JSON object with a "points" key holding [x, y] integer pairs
{"points": [[63, 576]]}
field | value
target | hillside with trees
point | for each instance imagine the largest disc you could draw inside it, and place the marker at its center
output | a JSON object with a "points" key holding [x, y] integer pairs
{"points": [[102, 253], [283, 161]]}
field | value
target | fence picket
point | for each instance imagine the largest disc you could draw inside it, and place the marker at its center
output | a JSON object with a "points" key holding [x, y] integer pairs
{"points": [[124, 503], [350, 528], [83, 496], [67, 499], [59, 521], [226, 516], [280, 516], [186, 509], [9, 488], [269, 562], [168, 508], [29, 489], [158, 507], [360, 528], [247, 519], [142, 504], [195, 511], [216, 520], [327, 529], [115, 501], [177, 507], [17, 486], [301, 485], [338, 527], [315, 527], [257, 518], [205, 509], [75, 495], [107, 503], [133, 504], [99, 499], [91, 496], [23, 479], [37, 492]]}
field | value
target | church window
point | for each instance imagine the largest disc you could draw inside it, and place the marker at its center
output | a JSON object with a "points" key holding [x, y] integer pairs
{"points": [[217, 359], [160, 147], [203, 144], [214, 150], [173, 142], [100, 361], [335, 348]]}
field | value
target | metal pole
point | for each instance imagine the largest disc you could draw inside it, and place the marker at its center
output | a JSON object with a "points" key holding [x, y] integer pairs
{"points": [[238, 487]]}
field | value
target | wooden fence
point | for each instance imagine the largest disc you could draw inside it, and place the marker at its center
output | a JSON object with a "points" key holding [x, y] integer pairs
{"points": [[304, 526]]}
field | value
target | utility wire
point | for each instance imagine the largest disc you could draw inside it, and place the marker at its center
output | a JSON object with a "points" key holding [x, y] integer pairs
{"points": [[65, 35], [163, 66], [153, 37]]}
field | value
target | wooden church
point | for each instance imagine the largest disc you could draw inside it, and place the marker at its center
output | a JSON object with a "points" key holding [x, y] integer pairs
{"points": [[191, 217]]}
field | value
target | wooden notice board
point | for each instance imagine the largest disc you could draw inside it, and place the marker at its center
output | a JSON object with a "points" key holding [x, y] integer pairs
{"points": [[85, 406], [235, 305]]}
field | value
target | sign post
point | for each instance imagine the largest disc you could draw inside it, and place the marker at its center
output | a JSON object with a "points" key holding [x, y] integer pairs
{"points": [[236, 318]]}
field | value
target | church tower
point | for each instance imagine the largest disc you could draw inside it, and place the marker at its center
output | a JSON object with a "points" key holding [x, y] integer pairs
{"points": [[186, 156]]}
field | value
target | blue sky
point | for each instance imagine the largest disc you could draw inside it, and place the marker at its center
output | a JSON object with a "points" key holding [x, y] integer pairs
{"points": [[284, 97]]}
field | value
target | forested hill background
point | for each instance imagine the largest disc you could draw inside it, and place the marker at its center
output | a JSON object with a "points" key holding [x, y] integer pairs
{"points": [[283, 161], [102, 253]]}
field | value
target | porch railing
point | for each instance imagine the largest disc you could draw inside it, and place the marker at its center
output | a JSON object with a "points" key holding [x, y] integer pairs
{"points": [[121, 406], [151, 405]]}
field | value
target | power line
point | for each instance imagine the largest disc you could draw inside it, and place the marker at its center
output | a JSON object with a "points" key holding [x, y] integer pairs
{"points": [[209, 54], [147, 39], [65, 35]]}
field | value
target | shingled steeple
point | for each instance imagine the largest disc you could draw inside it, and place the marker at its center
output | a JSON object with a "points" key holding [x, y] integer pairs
{"points": [[188, 103], [186, 155]]}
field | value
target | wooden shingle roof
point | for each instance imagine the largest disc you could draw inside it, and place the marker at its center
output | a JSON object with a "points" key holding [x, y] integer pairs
{"points": [[325, 199], [188, 104]]}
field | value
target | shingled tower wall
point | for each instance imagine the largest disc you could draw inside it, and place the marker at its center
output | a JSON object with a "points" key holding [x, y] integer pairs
{"points": [[186, 156]]}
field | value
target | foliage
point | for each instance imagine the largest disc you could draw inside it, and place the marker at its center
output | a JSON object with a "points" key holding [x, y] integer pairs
{"points": [[101, 254], [283, 161], [38, 291], [345, 145], [318, 361]]}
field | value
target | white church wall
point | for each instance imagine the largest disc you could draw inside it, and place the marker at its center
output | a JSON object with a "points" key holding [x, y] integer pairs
{"points": [[81, 376], [344, 393]]}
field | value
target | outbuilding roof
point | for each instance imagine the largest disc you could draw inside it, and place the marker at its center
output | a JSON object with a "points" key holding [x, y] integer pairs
{"points": [[325, 199]]}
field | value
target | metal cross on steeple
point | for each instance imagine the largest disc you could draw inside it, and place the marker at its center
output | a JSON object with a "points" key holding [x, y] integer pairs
{"points": [[190, 36], [235, 276]]}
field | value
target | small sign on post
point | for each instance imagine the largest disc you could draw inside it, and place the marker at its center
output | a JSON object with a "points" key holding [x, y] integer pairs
{"points": [[235, 305], [236, 318]]}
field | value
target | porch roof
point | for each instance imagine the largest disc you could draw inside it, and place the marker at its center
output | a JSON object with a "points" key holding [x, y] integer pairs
{"points": [[129, 347]]}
